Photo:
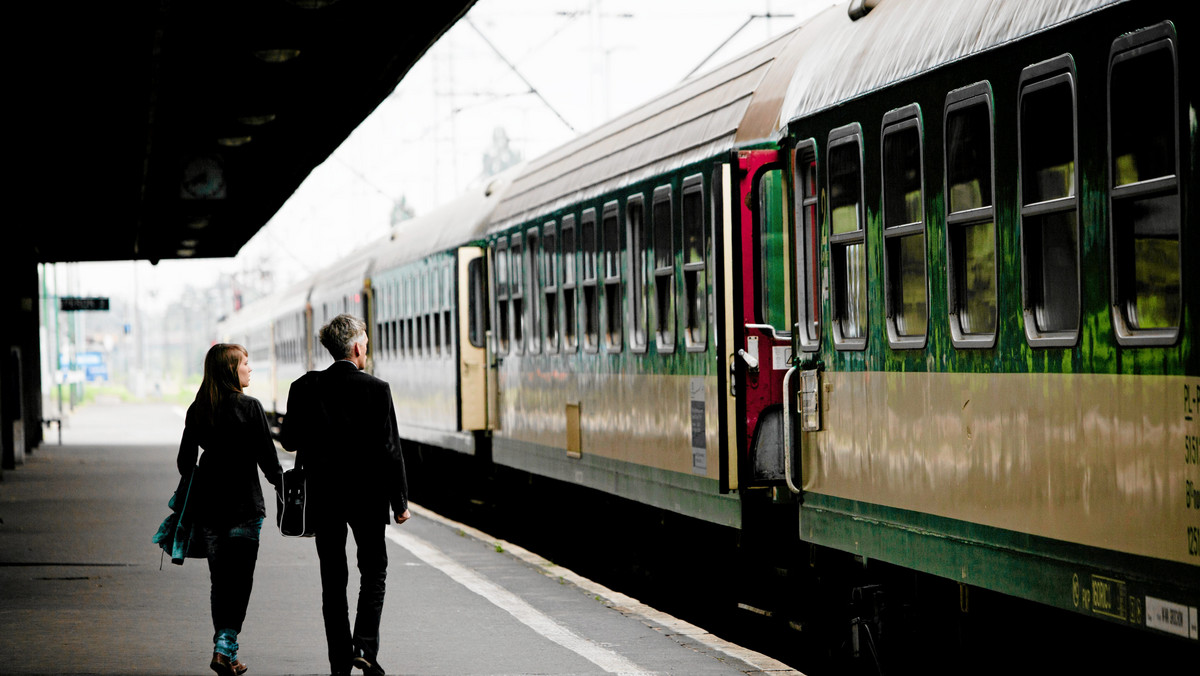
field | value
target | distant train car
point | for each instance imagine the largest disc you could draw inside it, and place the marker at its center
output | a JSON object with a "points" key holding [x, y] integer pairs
{"points": [[251, 328], [991, 299], [290, 323], [428, 288], [342, 287]]}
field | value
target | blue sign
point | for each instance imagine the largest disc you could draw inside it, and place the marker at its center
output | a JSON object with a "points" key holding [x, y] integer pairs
{"points": [[93, 364]]}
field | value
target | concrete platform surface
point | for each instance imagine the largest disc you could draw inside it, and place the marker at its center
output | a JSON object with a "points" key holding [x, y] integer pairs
{"points": [[82, 590]]}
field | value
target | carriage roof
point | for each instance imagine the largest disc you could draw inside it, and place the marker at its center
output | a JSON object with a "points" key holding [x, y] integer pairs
{"points": [[843, 58], [736, 103]]}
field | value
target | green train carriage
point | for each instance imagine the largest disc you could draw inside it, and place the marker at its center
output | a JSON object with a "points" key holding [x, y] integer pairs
{"points": [[995, 378]]}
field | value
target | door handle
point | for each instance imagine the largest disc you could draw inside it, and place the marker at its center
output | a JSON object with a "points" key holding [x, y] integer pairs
{"points": [[751, 361]]}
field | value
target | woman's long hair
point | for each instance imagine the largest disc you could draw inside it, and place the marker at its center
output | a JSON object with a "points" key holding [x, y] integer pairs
{"points": [[220, 377]]}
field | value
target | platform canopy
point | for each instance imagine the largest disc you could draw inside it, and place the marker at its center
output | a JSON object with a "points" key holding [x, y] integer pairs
{"points": [[157, 129]]}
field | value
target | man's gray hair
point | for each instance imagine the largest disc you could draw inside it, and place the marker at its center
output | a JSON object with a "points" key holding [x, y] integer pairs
{"points": [[341, 333]]}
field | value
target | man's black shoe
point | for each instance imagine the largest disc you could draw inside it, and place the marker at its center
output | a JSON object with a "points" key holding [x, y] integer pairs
{"points": [[369, 667]]}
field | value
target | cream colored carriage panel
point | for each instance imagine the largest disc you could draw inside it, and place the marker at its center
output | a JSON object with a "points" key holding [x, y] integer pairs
{"points": [[1098, 460], [650, 420]]}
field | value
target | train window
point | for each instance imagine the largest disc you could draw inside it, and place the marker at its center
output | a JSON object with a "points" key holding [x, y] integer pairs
{"points": [[394, 314], [432, 316], [533, 263], [418, 287], [635, 235], [807, 238], [516, 293], [410, 302], [1049, 204], [476, 303], [426, 292], [716, 223], [664, 269], [772, 250], [613, 310], [570, 322], [385, 315], [389, 321], [591, 301], [695, 282], [377, 301], [549, 273], [447, 290], [501, 282], [906, 295], [439, 310], [380, 344], [847, 239], [1145, 192], [970, 219], [434, 312], [402, 313]]}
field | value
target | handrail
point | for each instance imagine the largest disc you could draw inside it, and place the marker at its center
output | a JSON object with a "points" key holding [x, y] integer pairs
{"points": [[787, 430]]}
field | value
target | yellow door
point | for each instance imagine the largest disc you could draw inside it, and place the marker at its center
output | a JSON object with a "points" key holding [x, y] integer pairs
{"points": [[472, 339]]}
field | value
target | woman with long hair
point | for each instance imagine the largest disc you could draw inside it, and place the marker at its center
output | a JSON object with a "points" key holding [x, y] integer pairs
{"points": [[228, 433]]}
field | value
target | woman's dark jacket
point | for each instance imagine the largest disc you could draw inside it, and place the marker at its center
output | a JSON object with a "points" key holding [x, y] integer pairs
{"points": [[226, 490]]}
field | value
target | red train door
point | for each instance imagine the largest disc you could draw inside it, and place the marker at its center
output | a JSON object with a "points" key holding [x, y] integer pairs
{"points": [[762, 346]]}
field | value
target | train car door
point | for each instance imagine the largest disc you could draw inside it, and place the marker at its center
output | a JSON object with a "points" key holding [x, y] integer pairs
{"points": [[472, 305], [763, 344], [727, 325]]}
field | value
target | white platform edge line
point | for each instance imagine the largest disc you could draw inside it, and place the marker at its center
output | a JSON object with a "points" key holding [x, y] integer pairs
{"points": [[514, 605], [621, 602]]}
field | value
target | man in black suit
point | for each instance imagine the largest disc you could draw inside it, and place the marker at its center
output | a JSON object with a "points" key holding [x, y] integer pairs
{"points": [[342, 424]]}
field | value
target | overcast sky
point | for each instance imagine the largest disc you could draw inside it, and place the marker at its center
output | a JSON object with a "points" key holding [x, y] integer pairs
{"points": [[588, 60]]}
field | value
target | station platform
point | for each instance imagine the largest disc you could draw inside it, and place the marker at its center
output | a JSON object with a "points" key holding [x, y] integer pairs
{"points": [[84, 591]]}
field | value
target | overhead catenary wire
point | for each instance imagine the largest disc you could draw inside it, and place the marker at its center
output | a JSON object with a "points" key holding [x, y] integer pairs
{"points": [[532, 89]]}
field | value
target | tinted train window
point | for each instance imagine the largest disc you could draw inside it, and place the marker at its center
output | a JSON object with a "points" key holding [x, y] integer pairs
{"points": [[549, 273], [971, 220], [393, 314], [806, 238], [591, 299], [419, 288], [441, 338], [533, 263], [1145, 196], [613, 310], [716, 230], [429, 304], [695, 282], [378, 302], [476, 303], [570, 322], [773, 250], [501, 298], [847, 238], [1049, 203], [638, 288], [664, 269], [516, 293], [905, 292], [447, 293], [406, 311]]}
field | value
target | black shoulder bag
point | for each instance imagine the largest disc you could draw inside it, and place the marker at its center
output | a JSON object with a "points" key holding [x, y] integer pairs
{"points": [[292, 516], [293, 504]]}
